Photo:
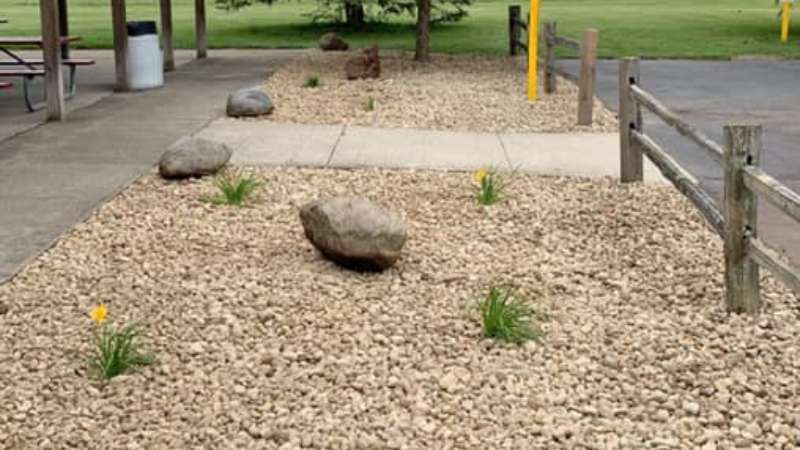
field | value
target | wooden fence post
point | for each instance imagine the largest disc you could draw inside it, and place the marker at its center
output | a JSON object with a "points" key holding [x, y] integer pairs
{"points": [[550, 30], [514, 30], [742, 147], [586, 81], [630, 118]]}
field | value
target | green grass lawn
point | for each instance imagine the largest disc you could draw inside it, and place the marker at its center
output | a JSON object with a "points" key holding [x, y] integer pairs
{"points": [[648, 28]]}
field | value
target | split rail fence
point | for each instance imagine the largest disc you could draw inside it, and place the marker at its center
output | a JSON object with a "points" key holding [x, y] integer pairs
{"points": [[551, 40], [745, 182]]}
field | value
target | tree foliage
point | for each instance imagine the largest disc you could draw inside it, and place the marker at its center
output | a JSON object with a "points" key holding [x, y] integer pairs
{"points": [[373, 10]]}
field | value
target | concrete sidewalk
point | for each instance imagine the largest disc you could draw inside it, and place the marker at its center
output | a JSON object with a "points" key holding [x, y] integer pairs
{"points": [[269, 143]]}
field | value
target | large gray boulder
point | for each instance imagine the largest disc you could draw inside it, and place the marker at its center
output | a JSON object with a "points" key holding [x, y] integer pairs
{"points": [[354, 232], [193, 157], [248, 102], [332, 42]]}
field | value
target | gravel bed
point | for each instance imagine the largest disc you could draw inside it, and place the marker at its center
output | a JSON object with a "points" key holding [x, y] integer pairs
{"points": [[263, 344], [468, 93]]}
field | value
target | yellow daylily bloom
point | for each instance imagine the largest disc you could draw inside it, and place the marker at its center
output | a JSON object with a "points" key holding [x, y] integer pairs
{"points": [[99, 313], [480, 175]]}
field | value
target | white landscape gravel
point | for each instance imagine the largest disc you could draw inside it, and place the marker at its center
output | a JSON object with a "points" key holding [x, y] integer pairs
{"points": [[263, 344], [467, 93]]}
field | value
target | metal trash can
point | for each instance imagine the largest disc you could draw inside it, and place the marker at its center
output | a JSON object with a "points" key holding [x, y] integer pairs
{"points": [[145, 61]]}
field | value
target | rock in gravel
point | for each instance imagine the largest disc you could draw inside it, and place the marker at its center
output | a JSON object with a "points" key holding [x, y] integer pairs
{"points": [[354, 232], [193, 157], [365, 65], [332, 42], [691, 408], [3, 308], [249, 102]]}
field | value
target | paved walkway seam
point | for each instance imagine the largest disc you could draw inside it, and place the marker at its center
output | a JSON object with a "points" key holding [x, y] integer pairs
{"points": [[336, 145], [505, 152]]}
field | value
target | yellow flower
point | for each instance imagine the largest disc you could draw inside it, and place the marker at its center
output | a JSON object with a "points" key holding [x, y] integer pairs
{"points": [[480, 175], [99, 314]]}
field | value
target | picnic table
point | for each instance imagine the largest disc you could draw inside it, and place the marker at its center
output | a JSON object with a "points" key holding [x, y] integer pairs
{"points": [[28, 68], [27, 41]]}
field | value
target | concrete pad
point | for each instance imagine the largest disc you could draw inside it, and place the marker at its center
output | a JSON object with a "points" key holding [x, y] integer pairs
{"points": [[582, 155], [417, 149], [20, 234], [261, 142], [94, 83], [80, 180]]}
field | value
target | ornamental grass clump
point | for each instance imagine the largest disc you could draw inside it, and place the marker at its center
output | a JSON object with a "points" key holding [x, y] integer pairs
{"points": [[234, 189], [313, 81], [507, 318], [490, 186], [369, 105], [117, 349]]}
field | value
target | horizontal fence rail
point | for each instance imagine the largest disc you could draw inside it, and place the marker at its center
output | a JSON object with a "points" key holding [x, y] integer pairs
{"points": [[779, 265], [670, 118], [773, 191], [744, 183], [560, 41], [682, 179]]}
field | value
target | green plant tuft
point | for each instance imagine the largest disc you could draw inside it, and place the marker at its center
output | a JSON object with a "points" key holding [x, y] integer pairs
{"points": [[313, 81], [506, 318], [491, 185], [234, 188], [118, 351], [369, 105]]}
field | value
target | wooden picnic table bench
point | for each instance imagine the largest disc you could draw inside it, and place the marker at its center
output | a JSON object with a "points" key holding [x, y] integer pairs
{"points": [[28, 69], [5, 85], [33, 40]]}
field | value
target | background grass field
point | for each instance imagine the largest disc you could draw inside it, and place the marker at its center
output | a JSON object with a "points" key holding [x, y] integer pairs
{"points": [[648, 28]]}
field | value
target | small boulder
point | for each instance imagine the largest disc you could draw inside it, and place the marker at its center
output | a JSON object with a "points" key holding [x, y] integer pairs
{"points": [[248, 102], [332, 42], [365, 65], [193, 157], [354, 232]]}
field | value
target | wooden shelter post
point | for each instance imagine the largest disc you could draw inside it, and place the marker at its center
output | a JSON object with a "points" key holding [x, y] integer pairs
{"points": [[51, 48], [120, 27], [200, 28], [63, 26], [166, 35]]}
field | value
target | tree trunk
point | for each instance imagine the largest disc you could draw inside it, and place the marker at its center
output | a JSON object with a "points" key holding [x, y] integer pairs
{"points": [[423, 51], [354, 15]]}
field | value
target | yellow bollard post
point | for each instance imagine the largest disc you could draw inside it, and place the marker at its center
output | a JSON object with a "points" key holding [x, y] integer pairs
{"points": [[786, 14], [533, 51]]}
